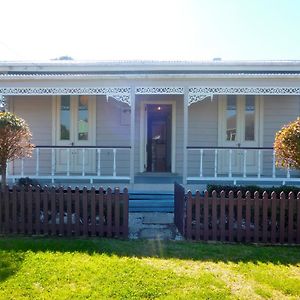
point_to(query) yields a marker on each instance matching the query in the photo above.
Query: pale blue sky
(150, 30)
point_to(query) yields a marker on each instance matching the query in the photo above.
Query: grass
(45, 268)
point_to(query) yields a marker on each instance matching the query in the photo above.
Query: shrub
(14, 141)
(287, 145)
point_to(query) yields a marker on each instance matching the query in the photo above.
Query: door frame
(143, 132)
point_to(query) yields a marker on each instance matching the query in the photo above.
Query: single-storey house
(148, 122)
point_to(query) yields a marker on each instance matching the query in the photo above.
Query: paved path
(153, 225)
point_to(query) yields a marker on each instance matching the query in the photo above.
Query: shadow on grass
(10, 262)
(286, 255)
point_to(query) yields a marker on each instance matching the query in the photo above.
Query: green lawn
(40, 268)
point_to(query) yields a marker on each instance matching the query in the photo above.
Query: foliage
(44, 268)
(252, 189)
(27, 181)
(14, 140)
(287, 145)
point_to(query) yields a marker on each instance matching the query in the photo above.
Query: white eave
(147, 66)
(22, 77)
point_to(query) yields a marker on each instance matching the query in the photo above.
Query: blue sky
(150, 30)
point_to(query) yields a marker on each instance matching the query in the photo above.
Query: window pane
(65, 118)
(231, 118)
(83, 121)
(249, 118)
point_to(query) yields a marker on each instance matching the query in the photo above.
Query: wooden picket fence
(60, 212)
(269, 219)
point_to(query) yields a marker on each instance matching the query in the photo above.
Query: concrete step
(153, 225)
(151, 202)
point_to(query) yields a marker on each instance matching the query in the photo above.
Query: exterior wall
(202, 131)
(113, 129)
(37, 112)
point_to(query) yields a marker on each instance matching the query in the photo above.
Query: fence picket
(248, 217)
(45, 214)
(290, 232)
(189, 215)
(239, 216)
(214, 215)
(125, 213)
(109, 212)
(53, 210)
(273, 218)
(282, 218)
(256, 217)
(37, 222)
(116, 198)
(101, 212)
(197, 215)
(14, 210)
(70, 215)
(265, 207)
(222, 216)
(78, 223)
(93, 212)
(205, 217)
(230, 216)
(84, 203)
(29, 210)
(61, 210)
(6, 209)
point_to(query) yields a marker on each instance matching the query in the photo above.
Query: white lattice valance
(119, 93)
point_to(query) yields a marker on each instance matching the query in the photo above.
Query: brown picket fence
(64, 212)
(269, 219)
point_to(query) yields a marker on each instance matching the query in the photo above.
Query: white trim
(143, 132)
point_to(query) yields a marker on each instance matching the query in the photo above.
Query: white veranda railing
(236, 164)
(65, 162)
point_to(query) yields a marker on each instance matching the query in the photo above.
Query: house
(142, 122)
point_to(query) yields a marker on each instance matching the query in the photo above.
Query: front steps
(151, 201)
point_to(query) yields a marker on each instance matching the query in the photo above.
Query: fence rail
(257, 219)
(60, 212)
